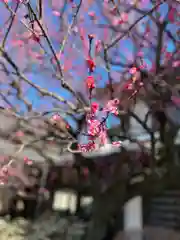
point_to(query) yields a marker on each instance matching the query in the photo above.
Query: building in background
(63, 180)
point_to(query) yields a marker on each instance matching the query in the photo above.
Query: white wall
(133, 217)
(65, 200)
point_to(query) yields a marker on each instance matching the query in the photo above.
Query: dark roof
(36, 134)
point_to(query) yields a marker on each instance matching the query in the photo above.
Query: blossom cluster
(9, 168)
(96, 129)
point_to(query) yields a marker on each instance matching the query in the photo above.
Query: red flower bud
(35, 37)
(5, 170)
(90, 82)
(91, 65)
(91, 36)
(94, 107)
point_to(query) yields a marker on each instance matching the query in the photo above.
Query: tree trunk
(6, 197)
(98, 226)
(97, 230)
(105, 206)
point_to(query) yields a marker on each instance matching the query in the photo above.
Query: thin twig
(70, 29)
(118, 38)
(10, 26)
(61, 77)
(44, 92)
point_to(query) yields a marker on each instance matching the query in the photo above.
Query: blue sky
(51, 84)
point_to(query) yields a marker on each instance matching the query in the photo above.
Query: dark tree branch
(40, 8)
(109, 74)
(161, 30)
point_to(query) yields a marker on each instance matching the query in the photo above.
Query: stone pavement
(48, 228)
